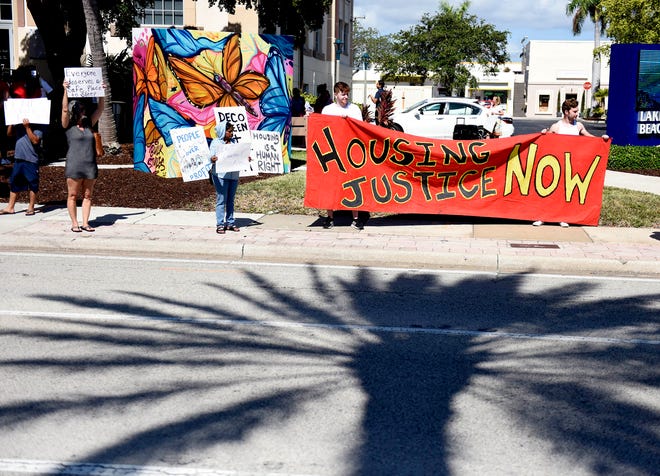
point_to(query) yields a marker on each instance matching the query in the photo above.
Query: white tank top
(568, 129)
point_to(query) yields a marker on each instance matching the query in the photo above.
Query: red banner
(357, 165)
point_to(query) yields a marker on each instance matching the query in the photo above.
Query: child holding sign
(225, 183)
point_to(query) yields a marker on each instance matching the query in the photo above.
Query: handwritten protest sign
(233, 157)
(266, 152)
(192, 151)
(237, 116)
(37, 111)
(84, 82)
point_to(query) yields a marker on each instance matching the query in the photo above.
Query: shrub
(626, 157)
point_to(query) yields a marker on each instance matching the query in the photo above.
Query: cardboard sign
(233, 157)
(192, 152)
(237, 116)
(84, 82)
(267, 152)
(37, 111)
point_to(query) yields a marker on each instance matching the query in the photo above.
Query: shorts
(24, 176)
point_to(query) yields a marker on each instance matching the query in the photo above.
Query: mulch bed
(125, 187)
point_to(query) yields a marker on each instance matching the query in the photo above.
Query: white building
(550, 72)
(559, 70)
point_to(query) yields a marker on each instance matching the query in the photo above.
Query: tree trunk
(107, 126)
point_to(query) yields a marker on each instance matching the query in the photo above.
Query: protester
(344, 108)
(297, 104)
(25, 174)
(380, 87)
(81, 169)
(568, 125)
(4, 142)
(225, 183)
(322, 98)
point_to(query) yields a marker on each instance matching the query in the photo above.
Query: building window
(164, 12)
(544, 102)
(5, 10)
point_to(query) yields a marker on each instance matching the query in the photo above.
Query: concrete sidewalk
(407, 241)
(414, 241)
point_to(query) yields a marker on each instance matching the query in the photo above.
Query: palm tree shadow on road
(388, 340)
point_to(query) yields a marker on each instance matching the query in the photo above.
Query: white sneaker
(537, 223)
(563, 224)
(5, 162)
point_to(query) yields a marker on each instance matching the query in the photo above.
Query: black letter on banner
(465, 192)
(478, 158)
(408, 157)
(349, 152)
(427, 155)
(359, 199)
(405, 184)
(445, 185)
(450, 154)
(388, 190)
(485, 181)
(424, 183)
(332, 155)
(379, 159)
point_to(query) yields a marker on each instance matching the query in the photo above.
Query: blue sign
(633, 113)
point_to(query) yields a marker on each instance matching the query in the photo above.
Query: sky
(534, 19)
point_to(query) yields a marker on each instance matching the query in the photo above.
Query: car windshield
(416, 105)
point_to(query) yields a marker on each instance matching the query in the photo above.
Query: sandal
(76, 229)
(220, 229)
(233, 228)
(29, 213)
(87, 228)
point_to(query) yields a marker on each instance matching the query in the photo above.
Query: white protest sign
(266, 152)
(84, 82)
(192, 151)
(37, 111)
(237, 116)
(233, 157)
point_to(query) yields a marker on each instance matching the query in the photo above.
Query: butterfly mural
(180, 76)
(226, 85)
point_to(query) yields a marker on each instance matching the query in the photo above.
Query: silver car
(435, 118)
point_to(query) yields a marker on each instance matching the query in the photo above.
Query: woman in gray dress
(81, 169)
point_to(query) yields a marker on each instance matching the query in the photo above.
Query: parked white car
(435, 118)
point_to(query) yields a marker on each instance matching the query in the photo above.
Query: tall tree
(107, 126)
(593, 9)
(292, 17)
(632, 21)
(442, 43)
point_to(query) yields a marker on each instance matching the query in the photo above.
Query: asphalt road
(532, 125)
(204, 367)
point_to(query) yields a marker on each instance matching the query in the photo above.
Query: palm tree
(107, 126)
(580, 10)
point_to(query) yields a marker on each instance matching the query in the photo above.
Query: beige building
(556, 71)
(317, 63)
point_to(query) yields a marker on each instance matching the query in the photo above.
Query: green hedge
(628, 157)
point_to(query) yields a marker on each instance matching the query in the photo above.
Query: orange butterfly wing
(155, 79)
(251, 85)
(232, 60)
(200, 90)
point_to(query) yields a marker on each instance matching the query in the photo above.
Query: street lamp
(365, 63)
(338, 50)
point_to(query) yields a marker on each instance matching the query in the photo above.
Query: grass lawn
(285, 193)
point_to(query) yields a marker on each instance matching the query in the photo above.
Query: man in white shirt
(344, 108)
(568, 125)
